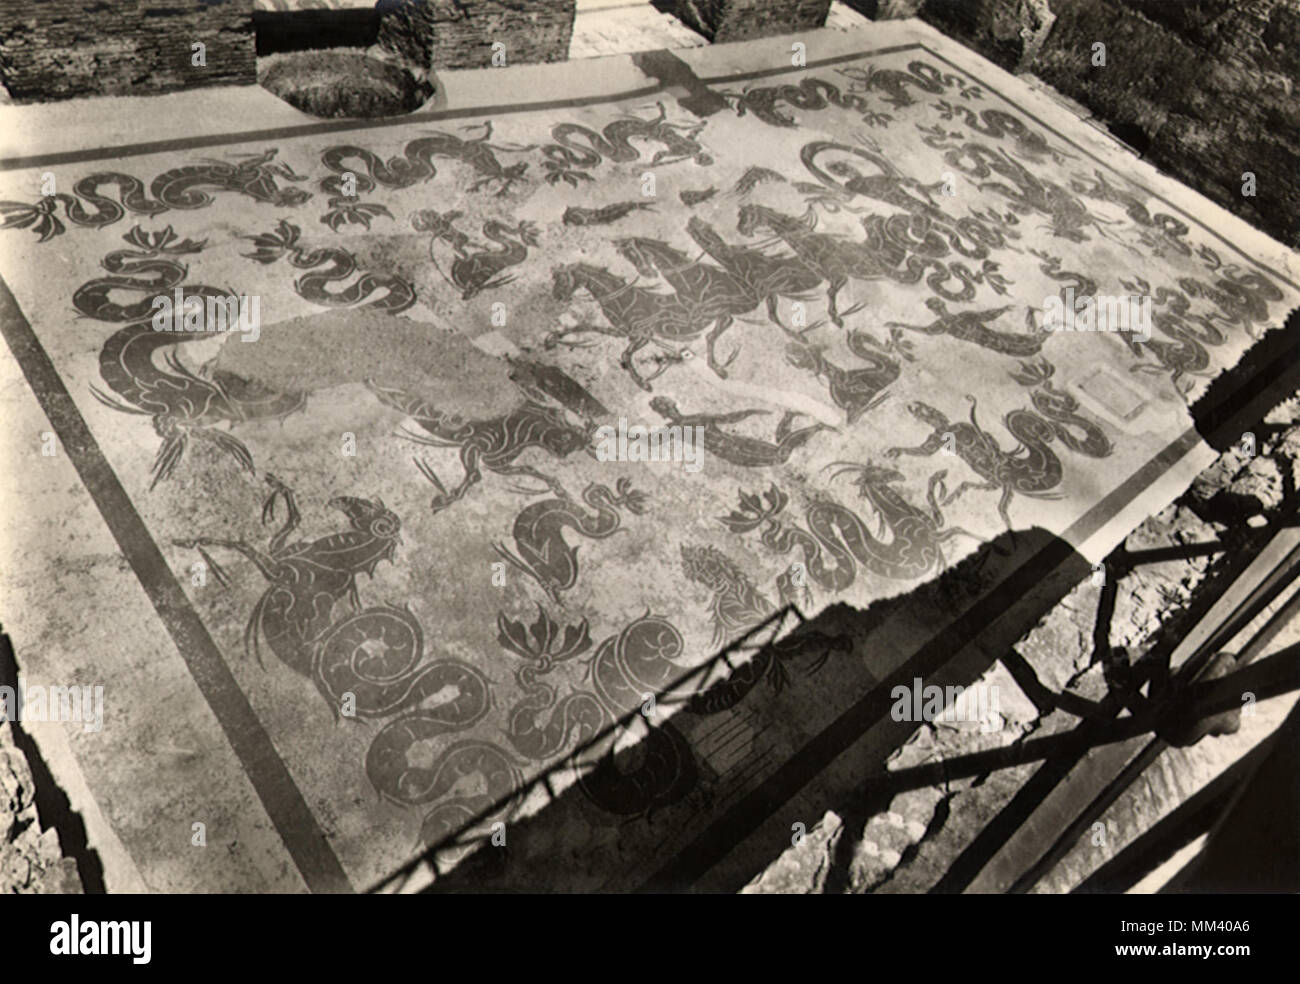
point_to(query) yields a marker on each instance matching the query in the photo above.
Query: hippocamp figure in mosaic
(567, 159)
(398, 294)
(767, 277)
(477, 267)
(711, 293)
(637, 314)
(370, 660)
(739, 449)
(539, 529)
(838, 259)
(493, 443)
(178, 188)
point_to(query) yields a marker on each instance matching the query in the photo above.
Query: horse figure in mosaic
(637, 314)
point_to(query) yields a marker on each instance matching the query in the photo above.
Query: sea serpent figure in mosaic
(568, 159)
(178, 188)
(397, 296)
(836, 545)
(476, 267)
(416, 163)
(539, 529)
(182, 404)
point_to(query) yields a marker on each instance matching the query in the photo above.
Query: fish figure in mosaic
(538, 531)
(576, 215)
(969, 326)
(397, 294)
(492, 443)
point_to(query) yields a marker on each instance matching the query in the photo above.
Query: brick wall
(738, 20)
(460, 33)
(1204, 89)
(56, 49)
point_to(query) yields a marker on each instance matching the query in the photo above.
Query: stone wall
(1204, 89)
(738, 20)
(57, 49)
(460, 33)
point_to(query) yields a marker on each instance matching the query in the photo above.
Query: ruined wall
(56, 49)
(737, 20)
(460, 33)
(1204, 89)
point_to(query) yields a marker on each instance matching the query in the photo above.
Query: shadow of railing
(781, 726)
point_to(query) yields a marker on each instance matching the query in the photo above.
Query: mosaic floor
(361, 579)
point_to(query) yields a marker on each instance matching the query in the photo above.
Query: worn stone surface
(56, 49)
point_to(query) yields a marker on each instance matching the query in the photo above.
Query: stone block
(740, 20)
(431, 34)
(59, 49)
